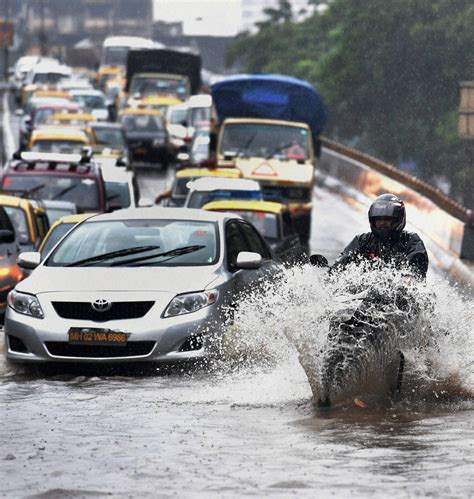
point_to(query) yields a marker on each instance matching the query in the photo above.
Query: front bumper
(152, 338)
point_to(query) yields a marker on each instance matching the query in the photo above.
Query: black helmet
(387, 206)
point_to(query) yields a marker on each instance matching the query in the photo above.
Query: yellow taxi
(106, 73)
(58, 140)
(59, 228)
(53, 93)
(29, 220)
(157, 102)
(273, 221)
(179, 189)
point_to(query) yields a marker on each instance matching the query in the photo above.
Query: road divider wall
(444, 221)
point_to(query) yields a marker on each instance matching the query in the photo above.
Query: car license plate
(97, 336)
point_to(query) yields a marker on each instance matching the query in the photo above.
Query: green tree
(389, 71)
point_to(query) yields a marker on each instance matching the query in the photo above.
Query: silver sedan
(145, 284)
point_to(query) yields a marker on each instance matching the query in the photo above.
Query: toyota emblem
(101, 305)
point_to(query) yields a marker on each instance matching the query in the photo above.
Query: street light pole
(5, 49)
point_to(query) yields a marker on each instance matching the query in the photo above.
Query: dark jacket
(405, 250)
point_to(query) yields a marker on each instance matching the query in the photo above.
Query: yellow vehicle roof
(245, 205)
(72, 117)
(163, 100)
(59, 134)
(209, 172)
(14, 201)
(109, 70)
(267, 122)
(52, 93)
(140, 110)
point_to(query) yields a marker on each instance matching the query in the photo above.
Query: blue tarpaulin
(269, 96)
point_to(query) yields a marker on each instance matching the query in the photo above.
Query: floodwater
(248, 425)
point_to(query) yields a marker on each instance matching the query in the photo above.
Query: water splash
(299, 318)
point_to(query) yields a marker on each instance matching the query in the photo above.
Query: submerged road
(241, 427)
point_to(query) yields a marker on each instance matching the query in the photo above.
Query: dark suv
(65, 177)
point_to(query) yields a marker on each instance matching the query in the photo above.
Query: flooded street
(244, 427)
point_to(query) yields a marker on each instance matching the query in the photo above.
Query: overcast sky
(201, 17)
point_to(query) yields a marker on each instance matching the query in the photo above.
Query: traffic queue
(112, 278)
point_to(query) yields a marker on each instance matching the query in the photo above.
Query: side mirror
(249, 260)
(318, 261)
(7, 236)
(29, 259)
(182, 156)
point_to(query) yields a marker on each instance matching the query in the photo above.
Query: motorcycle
(369, 325)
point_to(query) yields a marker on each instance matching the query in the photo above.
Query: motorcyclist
(387, 240)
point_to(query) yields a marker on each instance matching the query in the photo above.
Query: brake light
(6, 182)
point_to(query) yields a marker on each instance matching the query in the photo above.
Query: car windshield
(109, 136)
(198, 199)
(91, 101)
(41, 115)
(56, 234)
(139, 243)
(268, 141)
(147, 85)
(118, 193)
(83, 192)
(48, 78)
(142, 123)
(116, 56)
(18, 219)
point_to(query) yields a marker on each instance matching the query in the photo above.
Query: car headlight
(190, 302)
(158, 142)
(25, 304)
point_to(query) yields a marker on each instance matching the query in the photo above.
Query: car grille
(118, 310)
(132, 349)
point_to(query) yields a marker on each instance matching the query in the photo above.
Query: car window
(83, 192)
(20, 223)
(266, 223)
(58, 146)
(118, 193)
(5, 221)
(235, 244)
(109, 136)
(255, 241)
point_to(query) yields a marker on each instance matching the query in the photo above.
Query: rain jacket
(407, 249)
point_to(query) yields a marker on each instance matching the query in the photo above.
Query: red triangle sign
(264, 169)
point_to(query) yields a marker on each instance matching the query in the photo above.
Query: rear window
(82, 191)
(118, 193)
(20, 223)
(58, 146)
(5, 222)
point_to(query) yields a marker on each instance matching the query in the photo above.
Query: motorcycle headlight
(158, 142)
(190, 302)
(25, 304)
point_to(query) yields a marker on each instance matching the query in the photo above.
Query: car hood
(172, 280)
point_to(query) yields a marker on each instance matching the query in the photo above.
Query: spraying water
(409, 340)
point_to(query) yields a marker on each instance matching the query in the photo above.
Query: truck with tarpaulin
(269, 127)
(168, 74)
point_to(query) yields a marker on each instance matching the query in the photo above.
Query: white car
(145, 284)
(206, 189)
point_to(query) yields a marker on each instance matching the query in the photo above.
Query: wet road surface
(238, 428)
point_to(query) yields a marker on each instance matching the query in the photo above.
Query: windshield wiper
(171, 254)
(65, 191)
(112, 254)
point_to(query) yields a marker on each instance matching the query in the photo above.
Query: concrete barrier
(445, 222)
